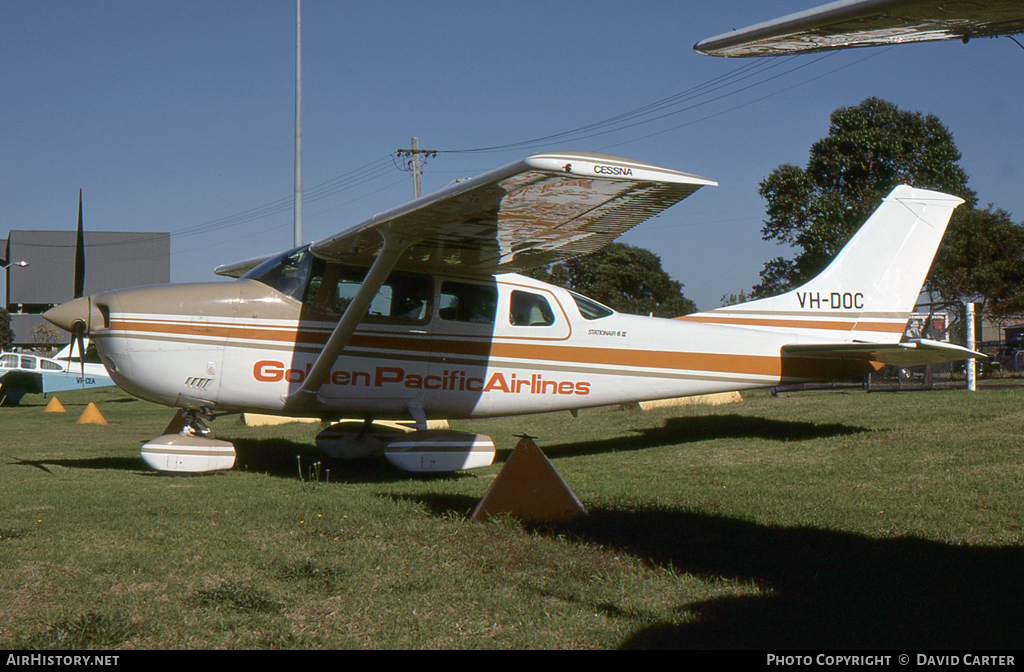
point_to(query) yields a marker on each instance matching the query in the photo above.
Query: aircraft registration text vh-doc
(418, 314)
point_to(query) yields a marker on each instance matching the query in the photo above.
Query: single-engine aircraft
(417, 314)
(24, 373)
(869, 23)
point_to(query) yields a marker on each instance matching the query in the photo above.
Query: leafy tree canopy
(870, 149)
(982, 259)
(624, 277)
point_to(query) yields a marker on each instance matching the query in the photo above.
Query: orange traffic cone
(92, 416)
(55, 406)
(530, 489)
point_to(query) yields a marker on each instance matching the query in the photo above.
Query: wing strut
(393, 248)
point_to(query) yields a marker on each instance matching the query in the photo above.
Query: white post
(972, 384)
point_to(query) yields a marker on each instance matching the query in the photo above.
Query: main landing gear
(185, 446)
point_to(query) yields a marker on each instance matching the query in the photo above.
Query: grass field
(813, 520)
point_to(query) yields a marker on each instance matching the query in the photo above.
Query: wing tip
(606, 166)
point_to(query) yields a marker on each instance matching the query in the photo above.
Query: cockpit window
(288, 273)
(590, 309)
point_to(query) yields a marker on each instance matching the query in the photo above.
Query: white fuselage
(237, 349)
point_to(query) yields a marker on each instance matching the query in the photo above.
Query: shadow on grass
(827, 589)
(824, 589)
(290, 459)
(706, 428)
(281, 457)
(107, 463)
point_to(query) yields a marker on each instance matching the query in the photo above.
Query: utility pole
(297, 233)
(415, 161)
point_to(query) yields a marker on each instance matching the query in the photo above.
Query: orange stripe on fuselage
(446, 345)
(882, 327)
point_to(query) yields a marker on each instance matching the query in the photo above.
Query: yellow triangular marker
(529, 488)
(55, 406)
(92, 416)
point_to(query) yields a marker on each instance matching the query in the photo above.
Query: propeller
(80, 327)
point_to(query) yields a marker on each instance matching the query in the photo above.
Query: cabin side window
(590, 309)
(527, 309)
(468, 302)
(9, 362)
(404, 296)
(49, 366)
(28, 362)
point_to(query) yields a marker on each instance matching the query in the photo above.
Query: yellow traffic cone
(55, 406)
(92, 416)
(530, 489)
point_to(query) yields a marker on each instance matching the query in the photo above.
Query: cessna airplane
(440, 326)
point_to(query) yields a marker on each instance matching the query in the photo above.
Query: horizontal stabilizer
(912, 353)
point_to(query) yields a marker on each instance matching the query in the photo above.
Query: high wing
(866, 23)
(542, 209)
(912, 353)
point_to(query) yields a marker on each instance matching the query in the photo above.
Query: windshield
(287, 272)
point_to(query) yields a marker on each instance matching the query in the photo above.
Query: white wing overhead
(544, 208)
(866, 23)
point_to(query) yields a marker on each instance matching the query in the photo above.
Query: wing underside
(866, 23)
(540, 210)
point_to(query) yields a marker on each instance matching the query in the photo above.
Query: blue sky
(177, 115)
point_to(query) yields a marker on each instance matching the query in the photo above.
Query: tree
(624, 277)
(6, 334)
(44, 336)
(870, 149)
(734, 299)
(982, 258)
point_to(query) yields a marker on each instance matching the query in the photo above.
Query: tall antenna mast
(297, 235)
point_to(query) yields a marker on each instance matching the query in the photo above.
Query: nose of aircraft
(82, 310)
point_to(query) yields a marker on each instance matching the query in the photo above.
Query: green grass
(814, 520)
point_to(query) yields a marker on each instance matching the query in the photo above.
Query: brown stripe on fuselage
(883, 327)
(771, 366)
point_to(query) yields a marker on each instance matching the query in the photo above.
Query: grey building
(112, 260)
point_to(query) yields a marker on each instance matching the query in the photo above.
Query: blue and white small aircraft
(24, 373)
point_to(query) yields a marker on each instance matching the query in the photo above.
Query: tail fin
(870, 288)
